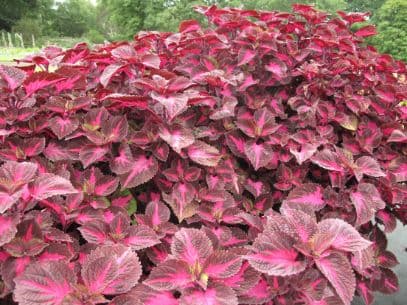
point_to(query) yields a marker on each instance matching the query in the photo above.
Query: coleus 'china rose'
(257, 161)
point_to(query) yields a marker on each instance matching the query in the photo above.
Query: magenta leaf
(108, 73)
(13, 76)
(111, 270)
(204, 154)
(273, 254)
(329, 160)
(149, 296)
(140, 237)
(142, 170)
(40, 80)
(222, 264)
(191, 246)
(217, 295)
(63, 127)
(8, 228)
(90, 154)
(48, 185)
(339, 235)
(367, 166)
(177, 137)
(14, 177)
(337, 269)
(367, 201)
(45, 284)
(259, 155)
(308, 195)
(169, 275)
(174, 104)
(124, 160)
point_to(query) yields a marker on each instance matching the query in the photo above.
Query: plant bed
(261, 160)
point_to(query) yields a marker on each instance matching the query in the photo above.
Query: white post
(33, 39)
(3, 38)
(10, 41)
(19, 36)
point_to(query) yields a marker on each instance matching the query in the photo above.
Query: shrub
(261, 160)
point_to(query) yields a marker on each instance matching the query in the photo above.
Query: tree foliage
(391, 20)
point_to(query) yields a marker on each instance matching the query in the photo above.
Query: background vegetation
(65, 22)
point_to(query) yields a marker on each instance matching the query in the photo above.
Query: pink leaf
(328, 160)
(108, 73)
(14, 176)
(338, 234)
(217, 295)
(13, 76)
(62, 127)
(142, 170)
(44, 284)
(177, 137)
(94, 232)
(48, 185)
(158, 212)
(122, 163)
(191, 246)
(337, 269)
(204, 154)
(245, 56)
(111, 270)
(174, 104)
(148, 296)
(274, 255)
(259, 155)
(8, 228)
(367, 201)
(169, 275)
(141, 237)
(222, 264)
(151, 61)
(367, 166)
(89, 154)
(308, 195)
(40, 80)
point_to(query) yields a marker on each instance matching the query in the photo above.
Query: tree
(363, 5)
(12, 11)
(391, 20)
(73, 18)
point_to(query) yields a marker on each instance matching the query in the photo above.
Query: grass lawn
(8, 54)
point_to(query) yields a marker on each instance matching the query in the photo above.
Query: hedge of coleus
(260, 160)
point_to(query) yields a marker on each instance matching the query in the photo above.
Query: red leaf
(366, 31)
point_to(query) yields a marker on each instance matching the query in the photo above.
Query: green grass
(8, 54)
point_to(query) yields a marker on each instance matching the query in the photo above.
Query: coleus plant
(260, 160)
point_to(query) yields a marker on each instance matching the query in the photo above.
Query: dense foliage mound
(257, 161)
